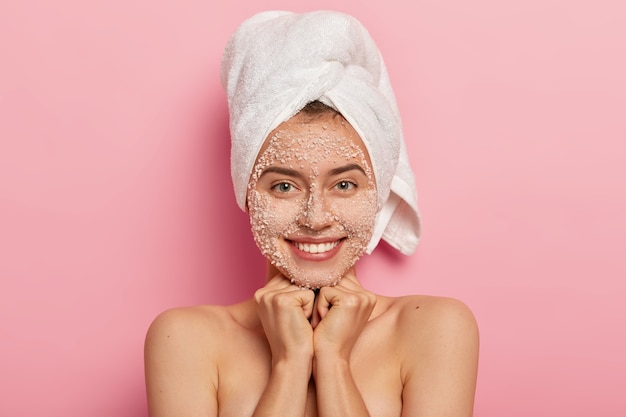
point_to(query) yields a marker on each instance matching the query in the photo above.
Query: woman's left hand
(340, 314)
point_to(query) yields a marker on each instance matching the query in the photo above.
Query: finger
(278, 281)
(307, 302)
(351, 296)
(325, 300)
(353, 286)
(315, 318)
(274, 287)
(349, 281)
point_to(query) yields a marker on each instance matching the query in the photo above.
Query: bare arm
(337, 394)
(441, 360)
(284, 310)
(180, 380)
(286, 391)
(341, 314)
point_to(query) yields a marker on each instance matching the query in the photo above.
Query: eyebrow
(283, 171)
(346, 168)
(293, 173)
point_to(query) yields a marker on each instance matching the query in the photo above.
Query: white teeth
(316, 247)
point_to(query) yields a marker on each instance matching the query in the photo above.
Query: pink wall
(116, 201)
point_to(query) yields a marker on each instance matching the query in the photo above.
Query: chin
(313, 277)
(316, 283)
(312, 274)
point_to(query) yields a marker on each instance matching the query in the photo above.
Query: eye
(345, 185)
(283, 187)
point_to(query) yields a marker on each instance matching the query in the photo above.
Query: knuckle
(352, 301)
(282, 300)
(259, 295)
(308, 295)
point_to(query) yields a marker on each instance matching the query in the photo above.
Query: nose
(316, 215)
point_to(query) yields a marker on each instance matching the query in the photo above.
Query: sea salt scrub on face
(312, 199)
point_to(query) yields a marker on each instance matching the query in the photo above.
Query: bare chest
(246, 371)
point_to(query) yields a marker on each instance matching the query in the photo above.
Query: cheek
(271, 218)
(357, 216)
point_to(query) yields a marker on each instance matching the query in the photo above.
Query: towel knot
(276, 62)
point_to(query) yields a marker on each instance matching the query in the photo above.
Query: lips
(316, 247)
(316, 250)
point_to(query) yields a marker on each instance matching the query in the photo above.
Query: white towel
(276, 62)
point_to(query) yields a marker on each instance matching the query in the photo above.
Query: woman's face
(312, 199)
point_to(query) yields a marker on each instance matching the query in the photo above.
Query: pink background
(116, 201)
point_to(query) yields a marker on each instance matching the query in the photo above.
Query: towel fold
(276, 62)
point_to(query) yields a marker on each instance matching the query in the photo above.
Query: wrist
(295, 363)
(332, 352)
(332, 361)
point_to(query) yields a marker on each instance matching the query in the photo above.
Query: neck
(271, 272)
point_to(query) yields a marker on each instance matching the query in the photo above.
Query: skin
(289, 352)
(312, 185)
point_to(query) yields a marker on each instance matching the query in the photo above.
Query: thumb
(307, 302)
(316, 318)
(323, 303)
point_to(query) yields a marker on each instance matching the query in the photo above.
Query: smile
(316, 247)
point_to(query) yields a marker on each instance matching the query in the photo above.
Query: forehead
(313, 139)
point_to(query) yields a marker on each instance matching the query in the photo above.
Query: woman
(319, 164)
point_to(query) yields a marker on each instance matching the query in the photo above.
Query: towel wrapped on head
(277, 62)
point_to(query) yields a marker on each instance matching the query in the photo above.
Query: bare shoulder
(182, 352)
(186, 324)
(438, 315)
(435, 324)
(439, 353)
(192, 332)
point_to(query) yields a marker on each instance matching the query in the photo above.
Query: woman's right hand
(284, 311)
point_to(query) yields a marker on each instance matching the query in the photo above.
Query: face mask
(312, 200)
